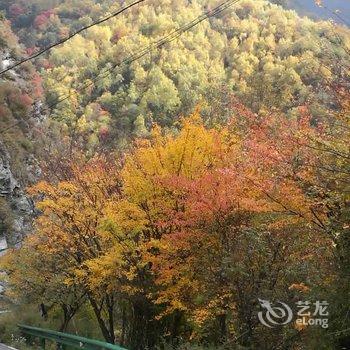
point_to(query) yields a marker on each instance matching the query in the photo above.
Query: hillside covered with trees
(175, 183)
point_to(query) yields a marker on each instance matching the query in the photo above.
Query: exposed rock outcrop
(20, 206)
(21, 111)
(16, 208)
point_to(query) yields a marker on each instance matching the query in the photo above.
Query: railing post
(63, 341)
(28, 340)
(61, 346)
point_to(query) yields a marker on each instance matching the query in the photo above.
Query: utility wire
(336, 14)
(155, 45)
(48, 48)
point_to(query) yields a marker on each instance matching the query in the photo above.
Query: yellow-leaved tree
(70, 230)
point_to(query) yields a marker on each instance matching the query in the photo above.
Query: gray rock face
(7, 182)
(11, 193)
(16, 208)
(22, 208)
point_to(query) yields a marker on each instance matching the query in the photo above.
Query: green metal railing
(65, 340)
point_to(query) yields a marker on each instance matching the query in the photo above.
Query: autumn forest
(174, 174)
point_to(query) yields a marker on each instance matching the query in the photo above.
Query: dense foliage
(183, 237)
(269, 57)
(18, 91)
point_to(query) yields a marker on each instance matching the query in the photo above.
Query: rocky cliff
(20, 113)
(18, 209)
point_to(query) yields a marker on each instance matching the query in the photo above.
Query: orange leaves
(300, 287)
(124, 220)
(201, 189)
(190, 215)
(73, 213)
(188, 154)
(158, 175)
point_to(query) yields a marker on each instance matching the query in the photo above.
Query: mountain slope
(18, 168)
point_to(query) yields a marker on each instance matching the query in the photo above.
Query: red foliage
(19, 100)
(46, 64)
(117, 35)
(37, 86)
(64, 32)
(103, 112)
(16, 10)
(30, 50)
(3, 111)
(25, 100)
(104, 132)
(42, 19)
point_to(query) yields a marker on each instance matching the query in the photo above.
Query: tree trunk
(122, 338)
(67, 316)
(107, 333)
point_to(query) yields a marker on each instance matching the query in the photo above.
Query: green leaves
(258, 52)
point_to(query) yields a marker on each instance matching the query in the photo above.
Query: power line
(48, 48)
(336, 14)
(167, 39)
(155, 45)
